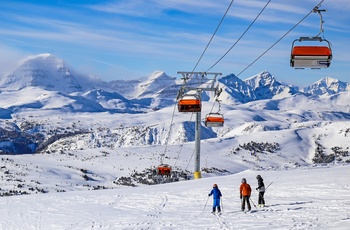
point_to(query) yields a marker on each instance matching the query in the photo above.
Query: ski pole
(222, 205)
(205, 204)
(241, 204)
(268, 186)
(253, 203)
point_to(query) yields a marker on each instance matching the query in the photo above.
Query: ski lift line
(190, 159)
(178, 156)
(217, 100)
(217, 28)
(167, 143)
(212, 107)
(312, 11)
(186, 76)
(240, 36)
(195, 106)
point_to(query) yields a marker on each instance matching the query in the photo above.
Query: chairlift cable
(240, 36)
(171, 124)
(228, 8)
(190, 160)
(217, 28)
(212, 107)
(279, 39)
(167, 142)
(178, 156)
(236, 43)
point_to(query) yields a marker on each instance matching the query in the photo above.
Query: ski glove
(257, 188)
(240, 197)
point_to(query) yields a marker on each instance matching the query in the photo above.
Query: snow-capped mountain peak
(44, 71)
(156, 90)
(327, 86)
(155, 82)
(42, 57)
(262, 79)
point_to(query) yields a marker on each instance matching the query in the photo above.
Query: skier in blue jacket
(216, 198)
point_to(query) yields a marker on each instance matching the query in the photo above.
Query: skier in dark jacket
(216, 198)
(261, 190)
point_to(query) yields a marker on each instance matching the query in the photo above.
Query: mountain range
(47, 72)
(42, 91)
(64, 131)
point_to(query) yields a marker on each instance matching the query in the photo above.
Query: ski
(250, 211)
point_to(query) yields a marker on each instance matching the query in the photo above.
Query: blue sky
(125, 39)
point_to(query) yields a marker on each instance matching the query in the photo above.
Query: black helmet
(244, 180)
(258, 176)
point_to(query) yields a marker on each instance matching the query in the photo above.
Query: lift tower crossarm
(187, 75)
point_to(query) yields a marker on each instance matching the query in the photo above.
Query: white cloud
(9, 59)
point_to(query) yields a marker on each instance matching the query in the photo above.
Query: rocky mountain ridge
(44, 106)
(51, 73)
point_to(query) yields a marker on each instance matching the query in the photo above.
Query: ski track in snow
(316, 198)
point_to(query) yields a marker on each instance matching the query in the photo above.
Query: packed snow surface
(303, 198)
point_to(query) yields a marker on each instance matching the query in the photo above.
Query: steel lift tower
(189, 97)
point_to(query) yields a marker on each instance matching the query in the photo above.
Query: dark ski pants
(245, 199)
(261, 199)
(218, 208)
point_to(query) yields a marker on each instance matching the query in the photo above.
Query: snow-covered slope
(260, 114)
(94, 135)
(304, 199)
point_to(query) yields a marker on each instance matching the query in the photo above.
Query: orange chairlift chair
(214, 120)
(314, 57)
(189, 103)
(164, 170)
